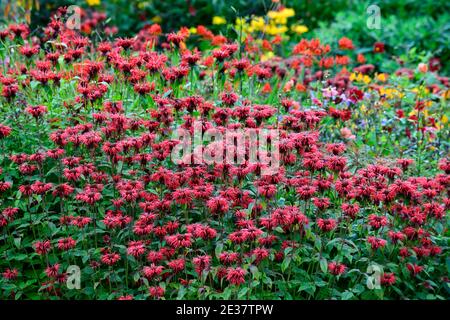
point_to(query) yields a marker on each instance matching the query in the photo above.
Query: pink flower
(346, 133)
(236, 276)
(36, 111)
(336, 268)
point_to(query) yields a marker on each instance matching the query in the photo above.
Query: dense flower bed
(357, 208)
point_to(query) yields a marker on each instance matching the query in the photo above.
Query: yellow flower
(366, 79)
(382, 77)
(193, 30)
(267, 56)
(274, 30)
(279, 20)
(288, 12)
(391, 93)
(157, 19)
(240, 22)
(93, 2)
(421, 90)
(280, 17)
(444, 119)
(360, 78)
(298, 28)
(143, 4)
(446, 94)
(257, 24)
(387, 92)
(285, 13)
(273, 14)
(363, 108)
(218, 20)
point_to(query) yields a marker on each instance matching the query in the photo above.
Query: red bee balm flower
(4, 131)
(236, 276)
(336, 268)
(36, 111)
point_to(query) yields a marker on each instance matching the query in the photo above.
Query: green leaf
(34, 84)
(243, 292)
(20, 257)
(347, 295)
(17, 242)
(323, 265)
(308, 287)
(219, 249)
(181, 293)
(285, 263)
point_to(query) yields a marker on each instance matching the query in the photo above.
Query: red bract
(36, 111)
(42, 247)
(110, 259)
(4, 131)
(326, 225)
(336, 268)
(388, 279)
(217, 205)
(236, 276)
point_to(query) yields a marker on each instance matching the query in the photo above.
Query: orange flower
(208, 61)
(342, 60)
(267, 88)
(346, 44)
(218, 40)
(327, 62)
(277, 39)
(300, 87)
(266, 45)
(360, 58)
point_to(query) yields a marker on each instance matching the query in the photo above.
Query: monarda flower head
(179, 240)
(153, 271)
(326, 225)
(136, 248)
(36, 111)
(414, 269)
(387, 279)
(218, 205)
(336, 268)
(4, 131)
(376, 243)
(42, 247)
(201, 263)
(228, 258)
(66, 244)
(110, 259)
(156, 292)
(5, 186)
(236, 276)
(377, 222)
(176, 265)
(10, 274)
